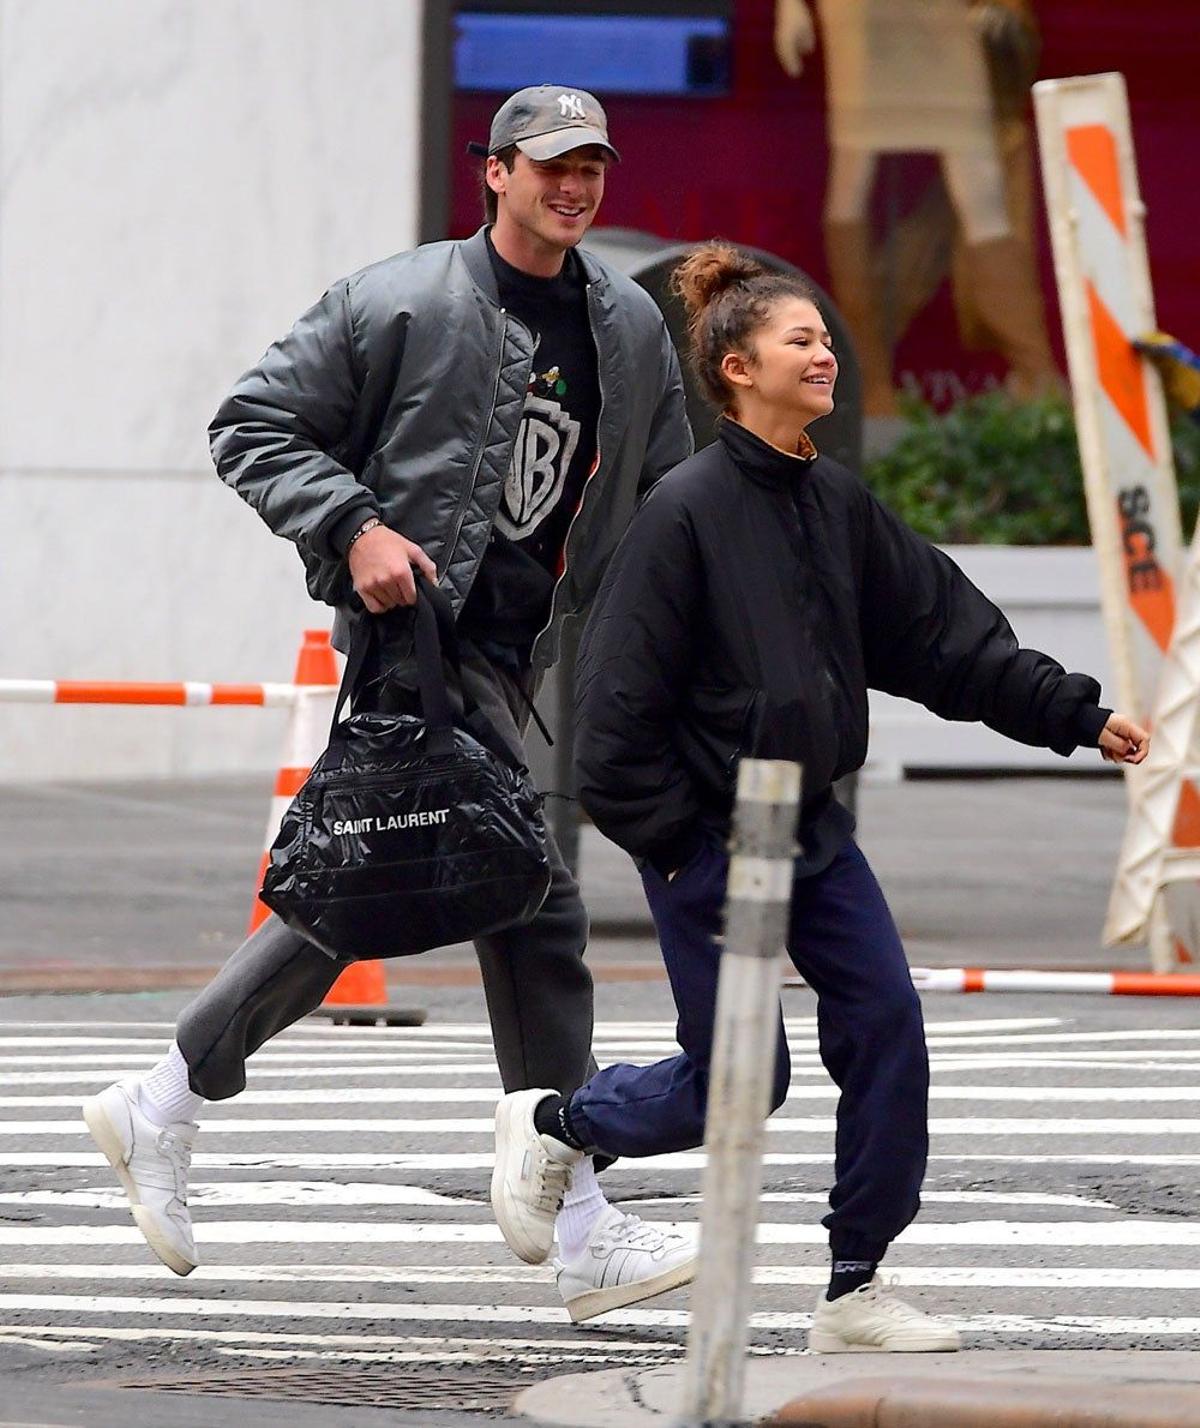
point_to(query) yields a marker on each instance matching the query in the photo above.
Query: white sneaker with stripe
(873, 1320)
(152, 1165)
(625, 1262)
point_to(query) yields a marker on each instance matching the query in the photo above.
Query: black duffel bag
(410, 832)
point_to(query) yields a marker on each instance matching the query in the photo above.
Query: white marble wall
(178, 180)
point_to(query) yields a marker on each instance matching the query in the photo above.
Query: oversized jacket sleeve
(670, 439)
(274, 437)
(930, 635)
(633, 662)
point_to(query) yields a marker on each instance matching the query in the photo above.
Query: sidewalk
(147, 885)
(975, 1389)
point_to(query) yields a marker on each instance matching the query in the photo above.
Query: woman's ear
(735, 368)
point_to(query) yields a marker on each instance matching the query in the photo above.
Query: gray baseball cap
(547, 120)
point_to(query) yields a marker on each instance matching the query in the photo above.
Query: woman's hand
(1122, 741)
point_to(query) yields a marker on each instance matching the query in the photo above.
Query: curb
(991, 1402)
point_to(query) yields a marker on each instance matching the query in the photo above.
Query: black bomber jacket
(753, 601)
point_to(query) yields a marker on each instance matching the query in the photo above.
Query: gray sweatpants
(538, 989)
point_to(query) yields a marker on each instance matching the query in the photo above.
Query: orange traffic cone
(308, 725)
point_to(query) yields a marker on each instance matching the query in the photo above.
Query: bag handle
(435, 639)
(434, 633)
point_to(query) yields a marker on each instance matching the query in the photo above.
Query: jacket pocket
(717, 726)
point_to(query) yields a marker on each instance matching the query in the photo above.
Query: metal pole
(744, 1048)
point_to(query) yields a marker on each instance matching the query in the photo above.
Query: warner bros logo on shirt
(541, 458)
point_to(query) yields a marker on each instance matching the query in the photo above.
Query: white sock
(583, 1205)
(164, 1094)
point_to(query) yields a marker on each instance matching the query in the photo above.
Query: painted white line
(157, 1046)
(1123, 1061)
(223, 1193)
(924, 1276)
(981, 1324)
(1073, 1037)
(1091, 1234)
(258, 1072)
(928, 1197)
(489, 1095)
(362, 1056)
(218, 1124)
(528, 1314)
(690, 1160)
(321, 1028)
(77, 1346)
(233, 1336)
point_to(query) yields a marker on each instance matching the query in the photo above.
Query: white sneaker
(872, 1320)
(626, 1261)
(530, 1177)
(152, 1165)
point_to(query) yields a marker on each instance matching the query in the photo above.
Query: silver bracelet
(368, 525)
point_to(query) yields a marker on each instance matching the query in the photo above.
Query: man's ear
(495, 175)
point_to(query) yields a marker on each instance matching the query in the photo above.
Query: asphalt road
(342, 1210)
(153, 880)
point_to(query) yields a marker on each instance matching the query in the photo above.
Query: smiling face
(546, 207)
(790, 374)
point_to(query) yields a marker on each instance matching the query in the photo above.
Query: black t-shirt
(554, 452)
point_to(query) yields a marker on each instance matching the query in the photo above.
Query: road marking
(218, 1124)
(233, 1336)
(489, 1095)
(221, 1193)
(1092, 1234)
(691, 1160)
(917, 1276)
(530, 1314)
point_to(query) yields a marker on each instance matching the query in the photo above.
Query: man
(485, 413)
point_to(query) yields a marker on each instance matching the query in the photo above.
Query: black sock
(550, 1118)
(849, 1275)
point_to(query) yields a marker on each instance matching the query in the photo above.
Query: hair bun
(710, 270)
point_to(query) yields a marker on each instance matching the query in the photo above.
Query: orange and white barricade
(1097, 225)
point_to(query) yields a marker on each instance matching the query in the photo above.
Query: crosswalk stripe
(204, 1194)
(488, 1095)
(916, 1276)
(233, 1337)
(690, 1160)
(218, 1123)
(532, 1314)
(1054, 1233)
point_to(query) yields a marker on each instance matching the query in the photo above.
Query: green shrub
(994, 471)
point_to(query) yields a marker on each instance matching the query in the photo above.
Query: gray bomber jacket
(401, 392)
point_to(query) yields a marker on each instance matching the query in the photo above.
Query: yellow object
(1179, 368)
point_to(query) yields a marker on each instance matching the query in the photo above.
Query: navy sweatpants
(844, 943)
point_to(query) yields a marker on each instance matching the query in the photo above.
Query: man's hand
(1122, 741)
(381, 566)
(794, 35)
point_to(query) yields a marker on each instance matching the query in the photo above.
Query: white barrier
(743, 1063)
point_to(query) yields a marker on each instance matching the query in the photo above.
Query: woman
(757, 594)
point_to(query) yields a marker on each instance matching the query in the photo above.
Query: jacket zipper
(595, 467)
(460, 514)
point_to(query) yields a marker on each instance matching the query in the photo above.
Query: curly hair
(727, 296)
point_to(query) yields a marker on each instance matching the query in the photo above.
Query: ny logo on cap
(570, 106)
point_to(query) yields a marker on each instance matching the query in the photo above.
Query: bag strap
(435, 638)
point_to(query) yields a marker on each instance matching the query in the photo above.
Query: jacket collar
(761, 461)
(479, 265)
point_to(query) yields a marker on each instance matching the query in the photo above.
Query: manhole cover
(387, 1386)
